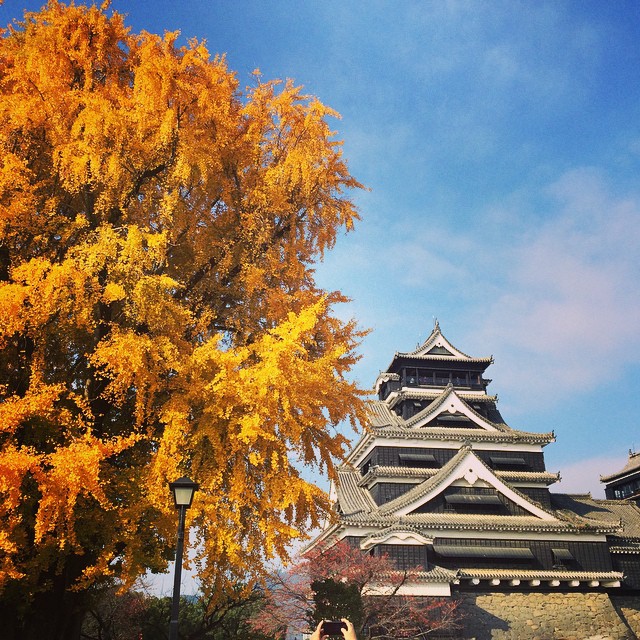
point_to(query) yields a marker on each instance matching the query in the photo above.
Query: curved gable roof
(632, 466)
(436, 344)
(465, 465)
(350, 497)
(436, 348)
(450, 402)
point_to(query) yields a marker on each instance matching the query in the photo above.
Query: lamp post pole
(183, 490)
(177, 576)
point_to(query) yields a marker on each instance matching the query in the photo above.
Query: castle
(440, 481)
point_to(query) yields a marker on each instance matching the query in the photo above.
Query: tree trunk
(52, 615)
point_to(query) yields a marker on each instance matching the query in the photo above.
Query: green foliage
(335, 600)
(135, 616)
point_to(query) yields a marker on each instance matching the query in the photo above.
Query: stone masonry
(549, 616)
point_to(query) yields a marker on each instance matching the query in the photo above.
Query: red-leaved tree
(300, 596)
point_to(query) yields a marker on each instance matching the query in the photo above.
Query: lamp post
(182, 490)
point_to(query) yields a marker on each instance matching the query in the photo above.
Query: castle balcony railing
(440, 382)
(419, 377)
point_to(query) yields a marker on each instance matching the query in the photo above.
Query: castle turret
(624, 484)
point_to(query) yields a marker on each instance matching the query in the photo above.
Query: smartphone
(332, 627)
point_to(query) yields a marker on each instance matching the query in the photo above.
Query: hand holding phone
(342, 629)
(333, 628)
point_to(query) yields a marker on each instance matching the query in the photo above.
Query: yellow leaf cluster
(64, 476)
(158, 311)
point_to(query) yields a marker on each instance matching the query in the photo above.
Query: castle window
(503, 461)
(410, 377)
(626, 490)
(562, 558)
(460, 551)
(472, 498)
(420, 460)
(460, 378)
(479, 503)
(561, 555)
(404, 556)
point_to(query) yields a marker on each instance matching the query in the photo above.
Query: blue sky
(500, 142)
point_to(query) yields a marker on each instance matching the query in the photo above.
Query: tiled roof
(381, 471)
(479, 435)
(529, 476)
(571, 514)
(633, 464)
(351, 498)
(442, 477)
(414, 355)
(535, 574)
(436, 339)
(625, 548)
(424, 487)
(432, 394)
(454, 521)
(394, 528)
(380, 415)
(624, 512)
(384, 422)
(443, 397)
(435, 574)
(462, 435)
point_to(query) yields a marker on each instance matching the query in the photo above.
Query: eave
(453, 522)
(537, 578)
(541, 477)
(466, 435)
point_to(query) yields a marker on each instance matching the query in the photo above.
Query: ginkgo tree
(159, 316)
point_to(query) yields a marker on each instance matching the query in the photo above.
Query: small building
(440, 481)
(624, 484)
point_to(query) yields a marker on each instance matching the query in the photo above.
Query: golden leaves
(158, 312)
(268, 406)
(113, 292)
(39, 400)
(134, 366)
(15, 463)
(68, 473)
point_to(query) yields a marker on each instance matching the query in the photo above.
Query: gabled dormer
(465, 485)
(437, 346)
(450, 410)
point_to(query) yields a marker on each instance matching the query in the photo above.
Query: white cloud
(555, 296)
(570, 308)
(584, 476)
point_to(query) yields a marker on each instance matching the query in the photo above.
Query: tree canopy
(159, 315)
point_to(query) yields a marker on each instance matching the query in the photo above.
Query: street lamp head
(183, 490)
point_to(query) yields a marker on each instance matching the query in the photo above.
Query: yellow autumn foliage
(158, 312)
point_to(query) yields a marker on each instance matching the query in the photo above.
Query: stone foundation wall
(628, 607)
(549, 616)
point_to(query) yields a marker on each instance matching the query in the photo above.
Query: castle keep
(440, 481)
